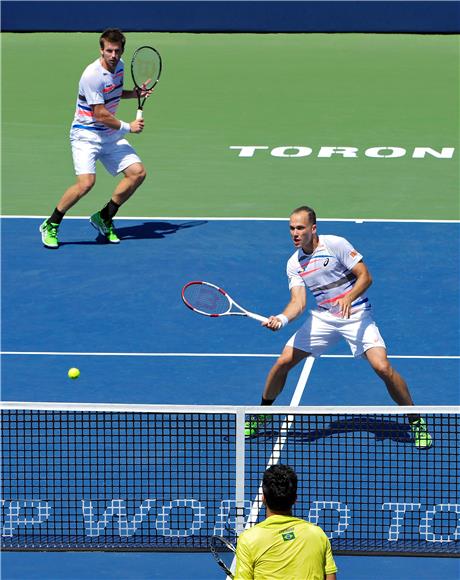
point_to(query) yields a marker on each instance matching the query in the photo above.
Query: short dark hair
(112, 35)
(279, 486)
(309, 210)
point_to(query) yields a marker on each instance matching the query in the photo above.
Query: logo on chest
(314, 265)
(288, 536)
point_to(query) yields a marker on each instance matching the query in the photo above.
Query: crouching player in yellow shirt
(283, 547)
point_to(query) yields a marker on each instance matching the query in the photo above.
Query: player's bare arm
(293, 309)
(363, 281)
(103, 115)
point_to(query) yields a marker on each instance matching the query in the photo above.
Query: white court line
(279, 444)
(240, 219)
(207, 354)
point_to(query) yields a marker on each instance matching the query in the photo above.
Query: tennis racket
(146, 71)
(223, 552)
(210, 300)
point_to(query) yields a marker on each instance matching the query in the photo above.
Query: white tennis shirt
(97, 86)
(327, 273)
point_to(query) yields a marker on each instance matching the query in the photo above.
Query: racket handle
(257, 317)
(139, 114)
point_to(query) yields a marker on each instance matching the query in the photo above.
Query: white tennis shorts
(322, 330)
(115, 155)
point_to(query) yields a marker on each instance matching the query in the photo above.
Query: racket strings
(206, 299)
(146, 68)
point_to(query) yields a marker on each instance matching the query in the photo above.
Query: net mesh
(362, 479)
(167, 480)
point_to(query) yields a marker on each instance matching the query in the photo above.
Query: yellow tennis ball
(73, 373)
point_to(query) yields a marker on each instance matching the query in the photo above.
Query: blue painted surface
(126, 566)
(126, 298)
(221, 16)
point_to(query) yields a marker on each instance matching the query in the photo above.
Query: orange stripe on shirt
(303, 274)
(313, 260)
(335, 297)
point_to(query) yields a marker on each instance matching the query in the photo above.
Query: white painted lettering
(343, 151)
(422, 152)
(342, 510)
(399, 510)
(297, 151)
(199, 516)
(426, 523)
(225, 519)
(247, 150)
(116, 508)
(380, 152)
(15, 516)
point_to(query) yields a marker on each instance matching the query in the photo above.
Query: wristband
(124, 128)
(284, 319)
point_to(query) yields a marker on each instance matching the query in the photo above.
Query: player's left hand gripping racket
(146, 71)
(210, 300)
(223, 552)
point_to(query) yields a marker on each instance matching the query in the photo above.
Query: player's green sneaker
(422, 438)
(104, 227)
(49, 234)
(255, 422)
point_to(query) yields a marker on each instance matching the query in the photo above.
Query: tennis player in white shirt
(97, 134)
(336, 275)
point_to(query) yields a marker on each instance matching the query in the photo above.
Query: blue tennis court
(349, 107)
(116, 314)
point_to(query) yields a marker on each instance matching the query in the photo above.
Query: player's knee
(383, 368)
(284, 363)
(137, 174)
(142, 174)
(85, 185)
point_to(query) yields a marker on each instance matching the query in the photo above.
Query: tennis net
(131, 477)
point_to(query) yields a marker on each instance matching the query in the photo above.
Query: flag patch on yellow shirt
(287, 536)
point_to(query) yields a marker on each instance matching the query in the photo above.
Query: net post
(240, 442)
(239, 469)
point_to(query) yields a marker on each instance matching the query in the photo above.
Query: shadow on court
(380, 429)
(154, 230)
(146, 231)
